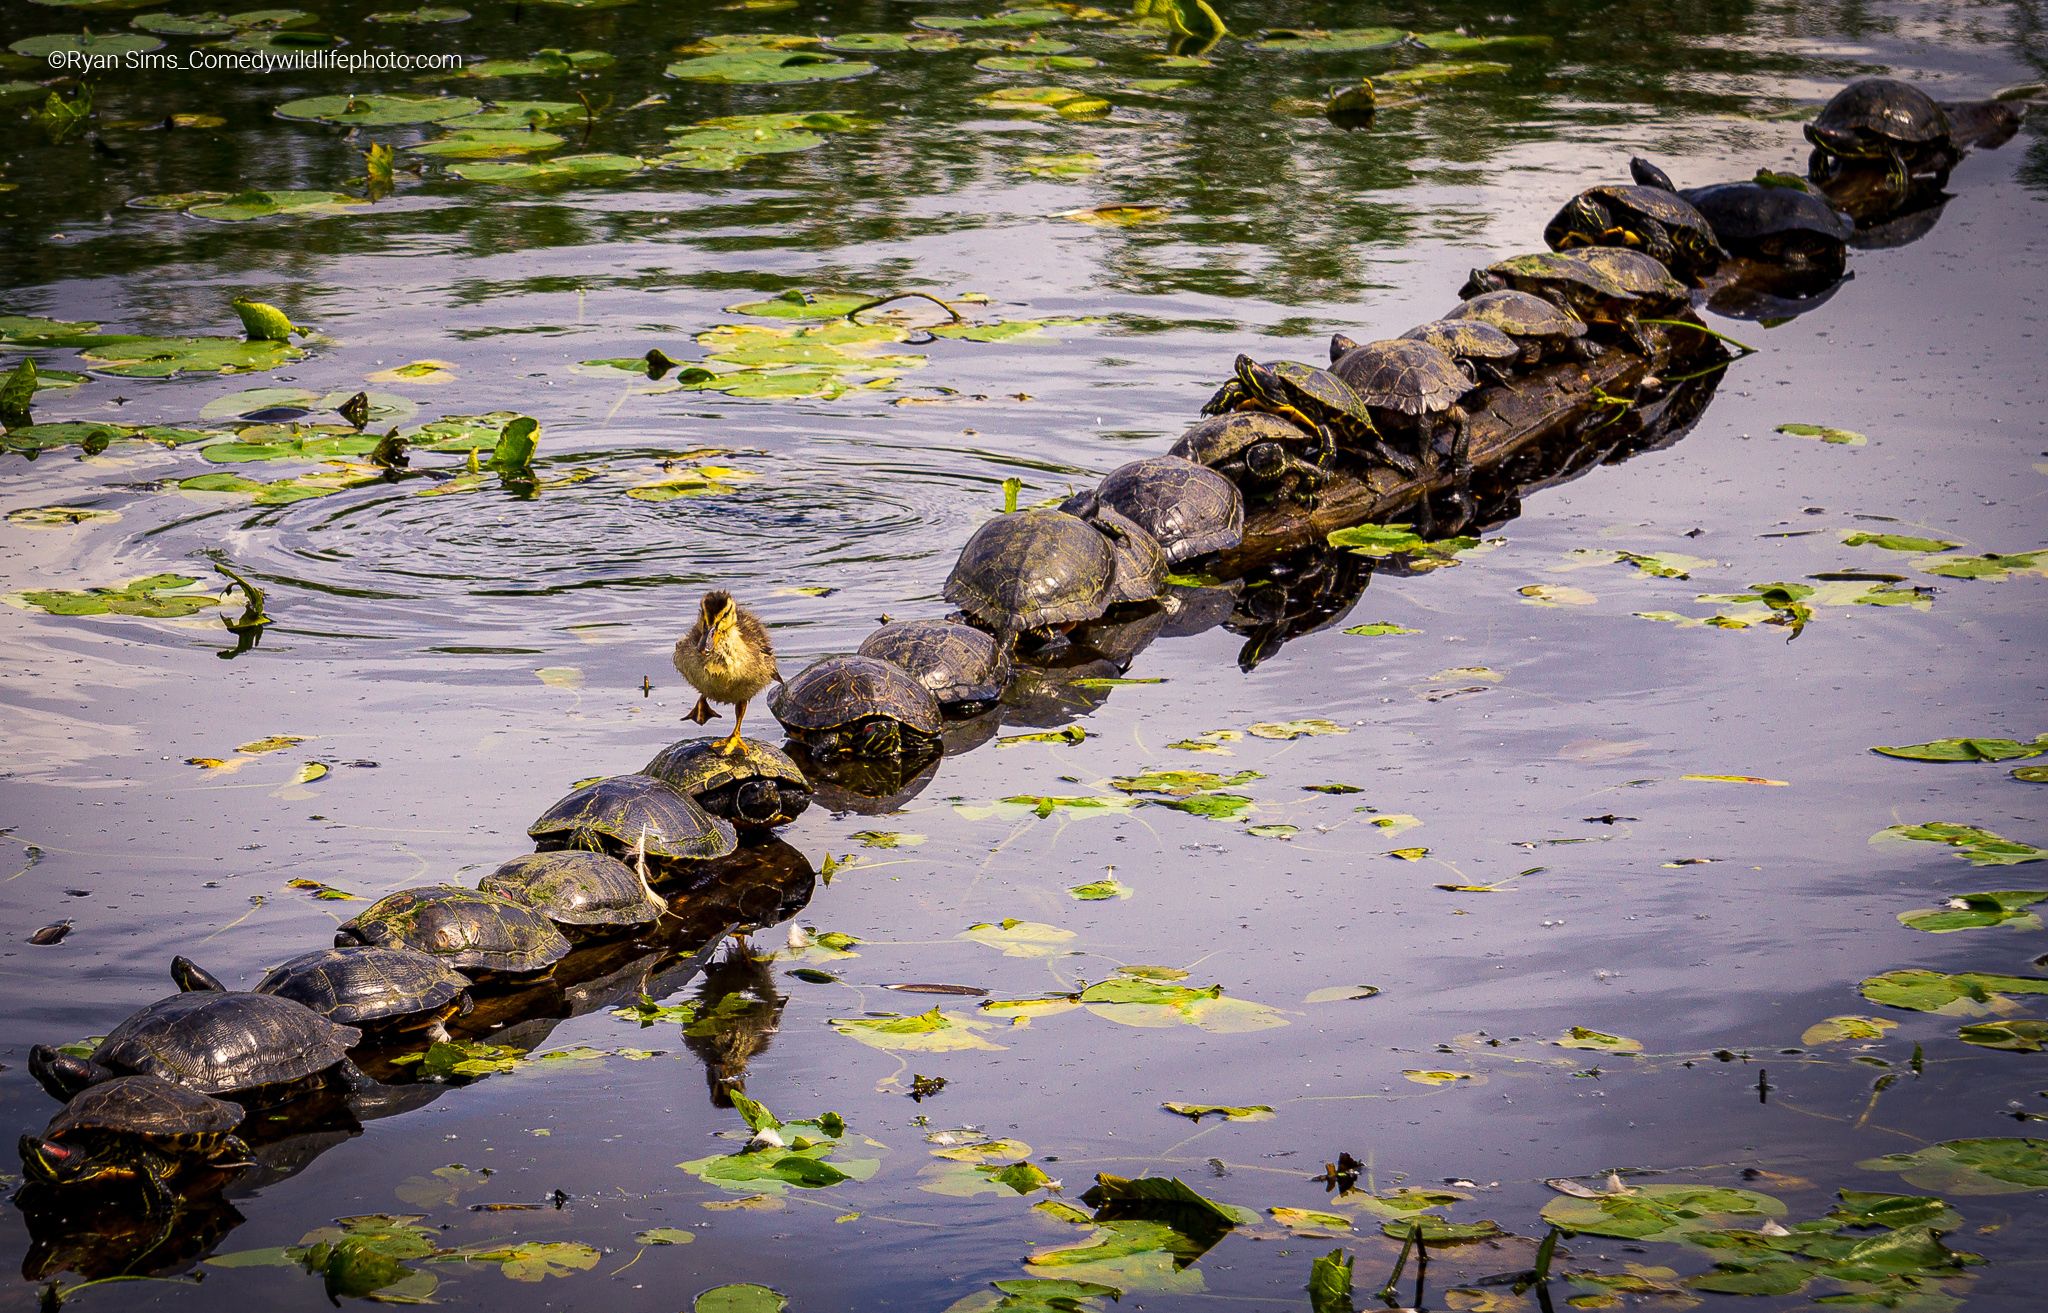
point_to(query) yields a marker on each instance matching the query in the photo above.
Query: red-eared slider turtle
(1486, 350)
(1258, 451)
(1545, 330)
(587, 894)
(1314, 398)
(859, 706)
(1654, 220)
(1033, 570)
(755, 788)
(460, 928)
(1414, 386)
(139, 1128)
(212, 1043)
(392, 989)
(1776, 218)
(1601, 285)
(1882, 119)
(631, 814)
(962, 666)
(1191, 510)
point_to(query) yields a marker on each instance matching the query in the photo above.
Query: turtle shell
(1642, 276)
(1140, 561)
(960, 664)
(1552, 268)
(840, 691)
(1881, 107)
(459, 928)
(224, 1042)
(1467, 339)
(1633, 200)
(149, 1107)
(1746, 215)
(575, 888)
(1191, 509)
(1224, 437)
(1029, 569)
(613, 814)
(1321, 394)
(1405, 375)
(760, 785)
(1520, 314)
(361, 985)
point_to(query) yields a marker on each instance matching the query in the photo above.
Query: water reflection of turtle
(866, 786)
(1301, 595)
(96, 1236)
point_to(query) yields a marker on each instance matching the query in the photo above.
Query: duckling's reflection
(739, 1009)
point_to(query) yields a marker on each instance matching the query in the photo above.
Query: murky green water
(455, 661)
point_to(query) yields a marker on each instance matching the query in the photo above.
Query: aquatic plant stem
(1743, 347)
(958, 318)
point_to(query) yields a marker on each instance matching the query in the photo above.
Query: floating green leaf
(1837, 1030)
(1964, 994)
(1836, 437)
(1980, 846)
(1973, 911)
(766, 66)
(1102, 890)
(1659, 1212)
(154, 597)
(1578, 1037)
(1017, 938)
(1896, 542)
(744, 1297)
(2024, 1036)
(1968, 750)
(1992, 565)
(164, 357)
(1294, 729)
(379, 110)
(935, 1031)
(1255, 1112)
(1380, 628)
(1971, 1167)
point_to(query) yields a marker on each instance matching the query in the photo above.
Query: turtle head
(1647, 174)
(1340, 345)
(192, 978)
(878, 736)
(59, 1073)
(59, 1164)
(1585, 222)
(1480, 282)
(1266, 461)
(759, 801)
(1261, 382)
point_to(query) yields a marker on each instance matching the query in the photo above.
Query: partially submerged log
(1553, 402)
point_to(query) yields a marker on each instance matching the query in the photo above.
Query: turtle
(1257, 451)
(1488, 351)
(1544, 329)
(1034, 569)
(1882, 119)
(1654, 220)
(1416, 386)
(860, 706)
(1601, 285)
(211, 1043)
(1775, 218)
(1314, 398)
(1190, 509)
(461, 928)
(139, 1128)
(1141, 565)
(634, 815)
(391, 989)
(587, 895)
(757, 788)
(963, 667)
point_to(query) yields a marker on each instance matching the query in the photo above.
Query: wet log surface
(1555, 402)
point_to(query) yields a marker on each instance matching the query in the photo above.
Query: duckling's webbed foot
(701, 712)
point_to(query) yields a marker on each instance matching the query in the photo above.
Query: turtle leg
(1638, 336)
(1457, 420)
(701, 712)
(731, 742)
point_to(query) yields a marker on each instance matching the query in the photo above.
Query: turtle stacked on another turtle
(386, 991)
(1413, 389)
(1654, 220)
(1606, 287)
(1261, 452)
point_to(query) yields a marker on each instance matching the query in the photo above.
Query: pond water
(447, 653)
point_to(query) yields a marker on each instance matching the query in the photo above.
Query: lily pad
(246, 205)
(1964, 994)
(1992, 565)
(1660, 1212)
(1838, 1030)
(2023, 1036)
(1971, 1167)
(1018, 938)
(102, 45)
(744, 1297)
(379, 109)
(1255, 1112)
(1968, 750)
(936, 1031)
(767, 66)
(153, 596)
(1579, 1037)
(1980, 846)
(1974, 911)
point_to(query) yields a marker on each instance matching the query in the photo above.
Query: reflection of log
(1549, 402)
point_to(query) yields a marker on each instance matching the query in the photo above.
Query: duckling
(726, 655)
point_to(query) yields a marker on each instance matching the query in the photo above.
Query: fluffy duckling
(726, 656)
